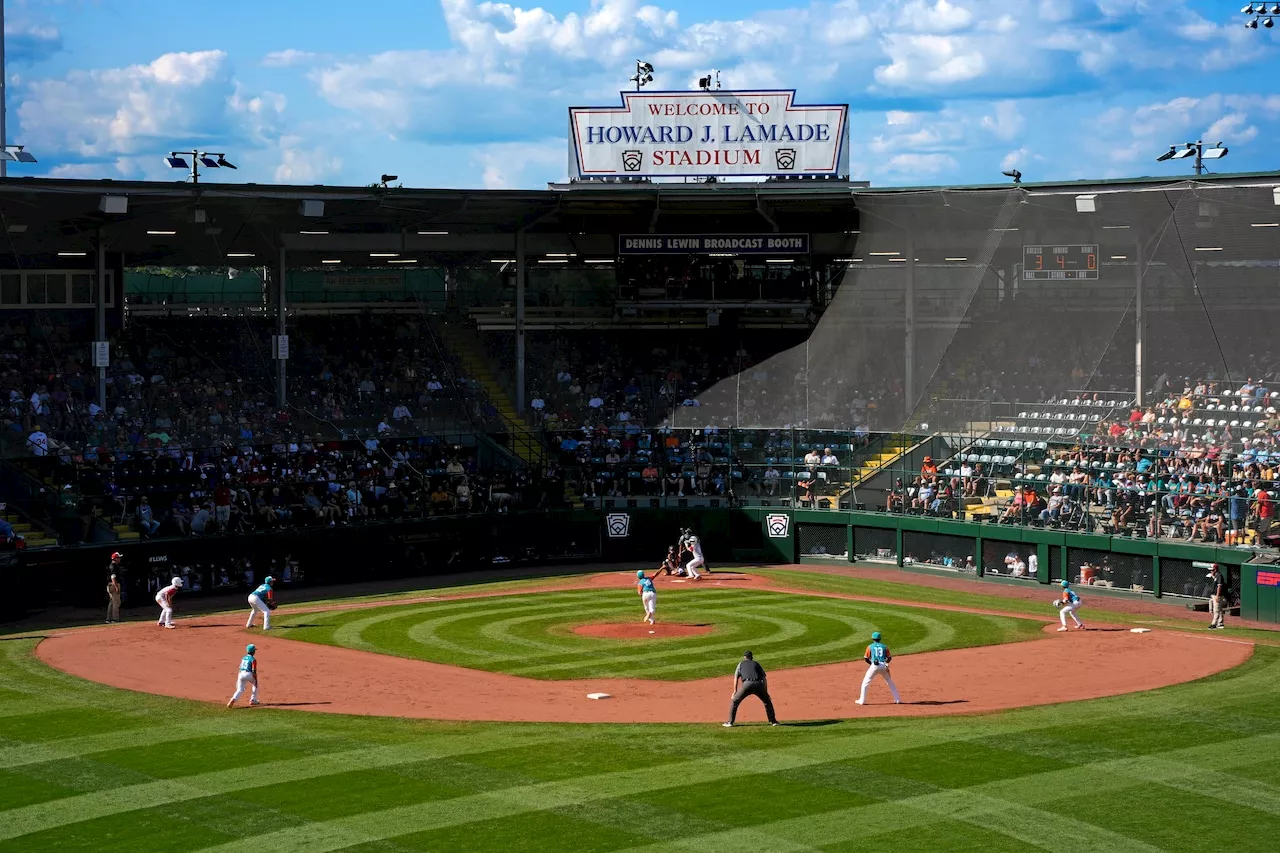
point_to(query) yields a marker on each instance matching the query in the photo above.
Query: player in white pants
(877, 657)
(259, 602)
(248, 674)
(694, 547)
(164, 598)
(648, 596)
(1068, 604)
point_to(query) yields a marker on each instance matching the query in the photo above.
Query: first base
(1140, 630)
(599, 696)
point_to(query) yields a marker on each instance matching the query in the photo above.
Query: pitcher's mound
(641, 630)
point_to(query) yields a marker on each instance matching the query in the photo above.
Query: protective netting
(1087, 566)
(822, 540)
(941, 550)
(961, 308)
(875, 543)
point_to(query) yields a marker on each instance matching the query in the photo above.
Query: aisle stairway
(466, 345)
(34, 536)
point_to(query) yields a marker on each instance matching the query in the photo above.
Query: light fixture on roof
(161, 233)
(1275, 195)
(779, 261)
(114, 204)
(1119, 257)
(1013, 173)
(433, 233)
(384, 254)
(1208, 248)
(1087, 203)
(956, 260)
(15, 153)
(1258, 12)
(1197, 150)
(72, 254)
(331, 261)
(195, 158)
(883, 254)
(313, 233)
(386, 179)
(239, 254)
(643, 75)
(1264, 224)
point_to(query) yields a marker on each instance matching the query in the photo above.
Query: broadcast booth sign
(713, 244)
(708, 133)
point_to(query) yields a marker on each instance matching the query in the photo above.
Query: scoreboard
(1059, 263)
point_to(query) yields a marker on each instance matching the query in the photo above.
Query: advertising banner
(708, 133)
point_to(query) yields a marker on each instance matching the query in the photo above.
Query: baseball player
(113, 599)
(749, 680)
(262, 599)
(165, 599)
(648, 596)
(694, 547)
(877, 657)
(1068, 603)
(248, 674)
(670, 565)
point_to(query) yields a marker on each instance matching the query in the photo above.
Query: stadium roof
(248, 224)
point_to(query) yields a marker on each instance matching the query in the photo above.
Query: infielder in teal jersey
(262, 600)
(877, 657)
(1068, 603)
(248, 674)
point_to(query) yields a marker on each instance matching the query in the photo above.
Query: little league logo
(778, 525)
(618, 524)
(631, 161)
(785, 158)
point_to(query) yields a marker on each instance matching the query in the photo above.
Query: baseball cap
(875, 635)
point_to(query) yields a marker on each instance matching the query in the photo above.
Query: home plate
(1140, 630)
(599, 696)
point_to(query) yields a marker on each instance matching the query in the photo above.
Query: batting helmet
(875, 635)
(1066, 584)
(116, 555)
(640, 573)
(177, 581)
(251, 648)
(269, 579)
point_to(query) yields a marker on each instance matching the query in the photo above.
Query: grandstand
(1095, 357)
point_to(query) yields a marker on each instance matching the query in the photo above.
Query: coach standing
(1218, 595)
(749, 680)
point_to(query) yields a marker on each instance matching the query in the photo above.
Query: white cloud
(1234, 127)
(940, 17)
(511, 165)
(919, 165)
(1014, 159)
(303, 164)
(289, 57)
(1007, 121)
(94, 113)
(919, 61)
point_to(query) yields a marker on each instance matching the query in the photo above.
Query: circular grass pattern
(532, 635)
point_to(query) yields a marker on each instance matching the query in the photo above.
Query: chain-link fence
(822, 540)
(875, 543)
(1013, 559)
(1185, 577)
(1090, 567)
(938, 549)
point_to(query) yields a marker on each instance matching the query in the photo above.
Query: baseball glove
(271, 605)
(1057, 602)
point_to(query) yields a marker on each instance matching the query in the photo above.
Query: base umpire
(749, 680)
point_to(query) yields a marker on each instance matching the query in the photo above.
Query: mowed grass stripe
(972, 805)
(529, 635)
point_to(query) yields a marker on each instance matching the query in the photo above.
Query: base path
(198, 661)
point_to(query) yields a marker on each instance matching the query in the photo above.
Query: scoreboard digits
(1059, 263)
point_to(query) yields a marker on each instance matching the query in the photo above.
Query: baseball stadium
(514, 518)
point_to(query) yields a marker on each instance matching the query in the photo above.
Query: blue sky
(459, 93)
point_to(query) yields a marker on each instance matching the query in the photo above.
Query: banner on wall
(778, 524)
(760, 133)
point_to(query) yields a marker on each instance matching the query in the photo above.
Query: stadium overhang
(51, 221)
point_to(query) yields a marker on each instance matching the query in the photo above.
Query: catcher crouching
(262, 600)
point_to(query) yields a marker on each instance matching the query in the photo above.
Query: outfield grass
(1186, 768)
(531, 635)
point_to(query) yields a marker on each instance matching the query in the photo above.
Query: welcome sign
(708, 133)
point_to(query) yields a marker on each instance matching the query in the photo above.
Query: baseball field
(88, 766)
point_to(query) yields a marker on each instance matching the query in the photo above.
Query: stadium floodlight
(192, 160)
(1197, 150)
(1013, 173)
(1087, 203)
(1260, 12)
(17, 152)
(643, 75)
